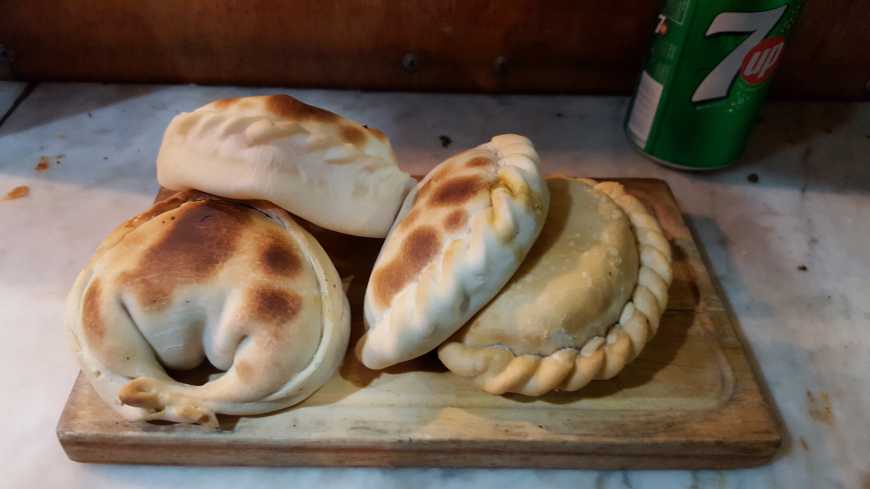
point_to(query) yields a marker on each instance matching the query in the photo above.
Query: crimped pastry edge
(521, 194)
(497, 370)
(247, 177)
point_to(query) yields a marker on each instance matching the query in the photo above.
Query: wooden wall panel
(472, 45)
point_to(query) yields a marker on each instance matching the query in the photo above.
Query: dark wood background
(473, 45)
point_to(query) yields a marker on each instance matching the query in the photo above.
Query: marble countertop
(789, 248)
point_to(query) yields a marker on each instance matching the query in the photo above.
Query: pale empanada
(320, 166)
(460, 235)
(198, 277)
(583, 304)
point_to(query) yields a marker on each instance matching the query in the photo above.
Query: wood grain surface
(473, 45)
(690, 400)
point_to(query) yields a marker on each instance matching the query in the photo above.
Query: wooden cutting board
(690, 400)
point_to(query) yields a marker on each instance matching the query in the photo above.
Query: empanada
(320, 166)
(460, 235)
(585, 301)
(196, 277)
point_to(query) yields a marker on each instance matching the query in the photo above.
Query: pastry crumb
(41, 165)
(18, 192)
(752, 178)
(445, 140)
(44, 162)
(802, 268)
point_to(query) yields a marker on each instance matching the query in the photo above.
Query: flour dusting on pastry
(583, 304)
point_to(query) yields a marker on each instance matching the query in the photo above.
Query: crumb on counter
(445, 140)
(45, 162)
(18, 192)
(41, 165)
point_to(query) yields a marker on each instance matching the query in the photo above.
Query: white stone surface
(809, 330)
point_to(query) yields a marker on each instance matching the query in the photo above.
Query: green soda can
(706, 77)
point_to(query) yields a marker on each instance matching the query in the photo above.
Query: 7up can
(706, 77)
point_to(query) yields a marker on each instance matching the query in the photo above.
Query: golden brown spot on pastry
(273, 306)
(444, 171)
(377, 133)
(353, 135)
(455, 219)
(279, 258)
(418, 249)
(478, 162)
(290, 108)
(167, 203)
(424, 190)
(433, 180)
(436, 178)
(162, 204)
(410, 218)
(92, 320)
(244, 370)
(457, 190)
(203, 236)
(224, 102)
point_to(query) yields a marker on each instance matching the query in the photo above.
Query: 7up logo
(760, 61)
(754, 59)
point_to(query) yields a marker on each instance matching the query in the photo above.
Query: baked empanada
(196, 277)
(460, 235)
(585, 301)
(320, 166)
